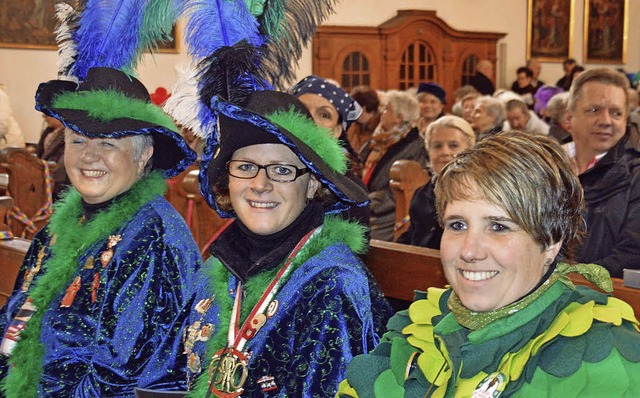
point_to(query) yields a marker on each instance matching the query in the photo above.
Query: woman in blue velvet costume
(106, 285)
(284, 302)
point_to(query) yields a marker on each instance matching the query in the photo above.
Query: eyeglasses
(275, 171)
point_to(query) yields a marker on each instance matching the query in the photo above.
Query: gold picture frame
(606, 31)
(550, 30)
(29, 24)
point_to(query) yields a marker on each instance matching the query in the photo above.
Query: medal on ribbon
(228, 369)
(228, 373)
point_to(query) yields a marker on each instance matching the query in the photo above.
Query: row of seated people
(603, 144)
(117, 251)
(398, 137)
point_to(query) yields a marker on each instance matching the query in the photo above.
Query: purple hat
(433, 89)
(543, 95)
(348, 109)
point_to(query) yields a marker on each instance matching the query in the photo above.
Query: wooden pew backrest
(27, 184)
(400, 270)
(12, 252)
(6, 202)
(405, 176)
(184, 194)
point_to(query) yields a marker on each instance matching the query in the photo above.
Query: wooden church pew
(405, 177)
(12, 251)
(27, 186)
(402, 269)
(184, 194)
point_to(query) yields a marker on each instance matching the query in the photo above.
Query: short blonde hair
(600, 75)
(454, 122)
(529, 176)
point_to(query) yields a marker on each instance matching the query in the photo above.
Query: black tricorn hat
(272, 117)
(111, 104)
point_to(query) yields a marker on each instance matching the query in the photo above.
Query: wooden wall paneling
(337, 44)
(450, 48)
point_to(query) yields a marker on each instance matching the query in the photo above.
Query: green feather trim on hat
(317, 138)
(107, 105)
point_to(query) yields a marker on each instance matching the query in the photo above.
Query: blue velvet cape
(329, 310)
(131, 336)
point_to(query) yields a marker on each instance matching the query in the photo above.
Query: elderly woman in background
(555, 116)
(512, 322)
(10, 133)
(333, 108)
(108, 282)
(488, 116)
(468, 103)
(444, 139)
(432, 98)
(284, 302)
(395, 138)
(361, 131)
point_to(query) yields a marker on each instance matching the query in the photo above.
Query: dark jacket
(558, 132)
(424, 229)
(612, 196)
(383, 204)
(482, 83)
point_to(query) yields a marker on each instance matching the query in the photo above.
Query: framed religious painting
(550, 29)
(606, 23)
(28, 24)
(31, 24)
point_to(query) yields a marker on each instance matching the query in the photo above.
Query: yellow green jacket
(570, 342)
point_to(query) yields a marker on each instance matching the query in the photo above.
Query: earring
(548, 261)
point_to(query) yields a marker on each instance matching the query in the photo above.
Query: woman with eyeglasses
(284, 302)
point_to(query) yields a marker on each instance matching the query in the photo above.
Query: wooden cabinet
(415, 46)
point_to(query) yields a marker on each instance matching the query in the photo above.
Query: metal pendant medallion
(228, 372)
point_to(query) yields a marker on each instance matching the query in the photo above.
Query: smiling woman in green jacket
(511, 324)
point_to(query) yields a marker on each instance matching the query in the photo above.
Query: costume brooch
(76, 284)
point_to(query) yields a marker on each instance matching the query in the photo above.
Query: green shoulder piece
(614, 376)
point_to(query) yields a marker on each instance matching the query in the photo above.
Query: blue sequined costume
(327, 311)
(122, 328)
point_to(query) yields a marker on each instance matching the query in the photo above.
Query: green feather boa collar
(72, 239)
(334, 229)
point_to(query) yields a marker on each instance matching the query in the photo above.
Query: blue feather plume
(218, 23)
(224, 41)
(238, 47)
(109, 35)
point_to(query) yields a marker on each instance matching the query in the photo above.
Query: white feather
(64, 37)
(184, 105)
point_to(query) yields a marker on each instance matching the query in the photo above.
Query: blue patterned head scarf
(348, 109)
